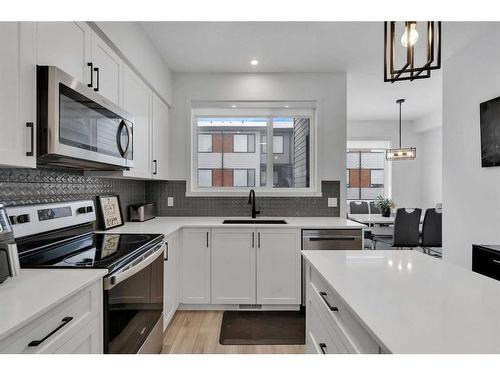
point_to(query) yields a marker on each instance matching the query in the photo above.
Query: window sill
(259, 193)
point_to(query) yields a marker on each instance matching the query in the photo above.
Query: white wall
(406, 174)
(133, 42)
(432, 167)
(471, 194)
(328, 90)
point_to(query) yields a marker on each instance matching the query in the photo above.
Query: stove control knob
(20, 219)
(81, 210)
(90, 209)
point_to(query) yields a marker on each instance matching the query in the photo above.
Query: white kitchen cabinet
(160, 122)
(137, 101)
(108, 70)
(74, 325)
(278, 267)
(171, 277)
(66, 45)
(17, 94)
(195, 266)
(233, 266)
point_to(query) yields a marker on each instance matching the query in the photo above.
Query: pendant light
(401, 153)
(429, 35)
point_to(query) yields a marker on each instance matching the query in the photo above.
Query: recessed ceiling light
(233, 106)
(254, 62)
(286, 106)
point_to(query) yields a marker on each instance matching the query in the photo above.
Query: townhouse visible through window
(365, 173)
(232, 152)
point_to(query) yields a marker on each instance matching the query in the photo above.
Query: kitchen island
(398, 302)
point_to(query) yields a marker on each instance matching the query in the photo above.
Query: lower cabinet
(331, 327)
(259, 266)
(278, 267)
(195, 266)
(171, 278)
(73, 326)
(233, 266)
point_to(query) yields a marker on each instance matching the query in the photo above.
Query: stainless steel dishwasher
(332, 239)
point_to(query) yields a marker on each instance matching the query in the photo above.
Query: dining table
(375, 219)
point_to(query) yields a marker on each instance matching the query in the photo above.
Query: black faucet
(251, 200)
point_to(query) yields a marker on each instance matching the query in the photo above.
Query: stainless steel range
(59, 235)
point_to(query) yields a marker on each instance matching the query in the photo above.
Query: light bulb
(413, 35)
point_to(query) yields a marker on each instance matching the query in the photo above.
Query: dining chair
(358, 207)
(374, 209)
(432, 232)
(406, 230)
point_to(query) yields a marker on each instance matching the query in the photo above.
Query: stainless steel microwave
(79, 128)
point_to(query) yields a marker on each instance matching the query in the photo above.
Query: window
(365, 173)
(232, 152)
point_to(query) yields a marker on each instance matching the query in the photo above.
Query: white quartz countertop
(169, 224)
(35, 291)
(414, 303)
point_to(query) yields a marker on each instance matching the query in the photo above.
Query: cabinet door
(233, 266)
(17, 94)
(137, 101)
(171, 268)
(66, 45)
(278, 266)
(86, 341)
(160, 139)
(108, 70)
(196, 266)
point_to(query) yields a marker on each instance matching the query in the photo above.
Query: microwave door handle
(113, 280)
(123, 151)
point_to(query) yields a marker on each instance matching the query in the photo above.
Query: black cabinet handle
(253, 240)
(32, 128)
(207, 240)
(323, 296)
(166, 251)
(155, 171)
(258, 240)
(97, 79)
(65, 321)
(91, 66)
(322, 346)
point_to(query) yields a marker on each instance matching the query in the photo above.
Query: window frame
(255, 112)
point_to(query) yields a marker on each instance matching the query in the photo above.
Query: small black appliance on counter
(486, 260)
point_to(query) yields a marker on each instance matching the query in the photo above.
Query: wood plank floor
(197, 332)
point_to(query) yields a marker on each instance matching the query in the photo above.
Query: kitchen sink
(253, 221)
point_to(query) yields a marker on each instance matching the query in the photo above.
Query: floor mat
(263, 328)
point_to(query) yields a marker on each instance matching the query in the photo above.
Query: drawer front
(486, 262)
(58, 325)
(321, 338)
(87, 340)
(354, 335)
(334, 239)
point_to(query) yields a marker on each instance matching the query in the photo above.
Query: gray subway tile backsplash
(28, 186)
(158, 191)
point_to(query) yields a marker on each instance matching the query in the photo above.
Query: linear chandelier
(401, 153)
(409, 38)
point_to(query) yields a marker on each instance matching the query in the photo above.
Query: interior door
(66, 45)
(17, 96)
(233, 266)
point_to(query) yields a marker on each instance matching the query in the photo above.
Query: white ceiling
(352, 47)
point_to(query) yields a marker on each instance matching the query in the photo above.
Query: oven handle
(113, 280)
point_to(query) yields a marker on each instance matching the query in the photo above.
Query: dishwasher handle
(334, 238)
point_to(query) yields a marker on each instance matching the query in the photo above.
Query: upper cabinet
(137, 101)
(67, 45)
(108, 70)
(17, 94)
(160, 139)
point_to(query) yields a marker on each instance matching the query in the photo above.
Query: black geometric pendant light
(401, 50)
(401, 153)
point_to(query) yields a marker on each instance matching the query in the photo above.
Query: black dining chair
(374, 209)
(358, 207)
(406, 230)
(432, 232)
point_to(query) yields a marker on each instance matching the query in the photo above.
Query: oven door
(133, 305)
(79, 126)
